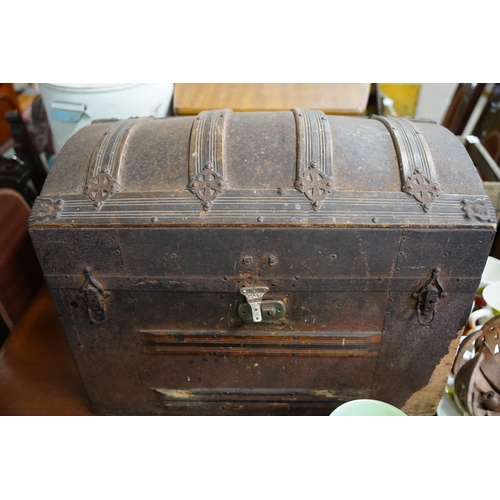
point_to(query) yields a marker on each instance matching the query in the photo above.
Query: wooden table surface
(332, 98)
(37, 373)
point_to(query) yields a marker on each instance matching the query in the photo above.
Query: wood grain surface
(37, 373)
(332, 98)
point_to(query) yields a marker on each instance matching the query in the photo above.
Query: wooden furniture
(487, 128)
(462, 105)
(20, 273)
(37, 373)
(332, 98)
(8, 102)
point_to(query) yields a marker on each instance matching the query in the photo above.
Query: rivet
(272, 260)
(247, 260)
(260, 219)
(154, 219)
(375, 219)
(206, 204)
(316, 204)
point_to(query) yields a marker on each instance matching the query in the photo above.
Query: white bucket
(72, 106)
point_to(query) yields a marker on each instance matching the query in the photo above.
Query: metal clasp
(427, 298)
(254, 296)
(257, 310)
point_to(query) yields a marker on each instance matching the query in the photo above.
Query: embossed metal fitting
(423, 189)
(100, 188)
(315, 185)
(47, 209)
(207, 185)
(254, 296)
(475, 209)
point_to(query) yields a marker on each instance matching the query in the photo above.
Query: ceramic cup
(491, 296)
(367, 408)
(491, 273)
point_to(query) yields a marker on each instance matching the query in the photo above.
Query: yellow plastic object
(404, 95)
(367, 408)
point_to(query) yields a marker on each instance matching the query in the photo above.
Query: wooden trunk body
(369, 233)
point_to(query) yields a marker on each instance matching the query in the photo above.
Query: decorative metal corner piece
(476, 209)
(47, 209)
(100, 188)
(423, 189)
(316, 185)
(207, 185)
(427, 298)
(93, 294)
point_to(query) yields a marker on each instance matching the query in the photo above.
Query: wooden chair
(20, 273)
(462, 105)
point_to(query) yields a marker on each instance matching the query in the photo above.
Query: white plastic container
(72, 106)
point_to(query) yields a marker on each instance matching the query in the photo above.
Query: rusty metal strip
(237, 398)
(104, 171)
(418, 173)
(314, 176)
(240, 344)
(207, 167)
(347, 207)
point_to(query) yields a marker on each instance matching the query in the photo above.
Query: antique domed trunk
(262, 263)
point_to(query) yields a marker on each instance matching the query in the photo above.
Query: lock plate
(271, 310)
(255, 308)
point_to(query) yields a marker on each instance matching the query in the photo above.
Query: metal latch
(427, 298)
(256, 308)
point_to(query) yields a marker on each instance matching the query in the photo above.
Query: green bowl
(367, 408)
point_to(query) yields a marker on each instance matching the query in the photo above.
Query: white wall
(434, 100)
